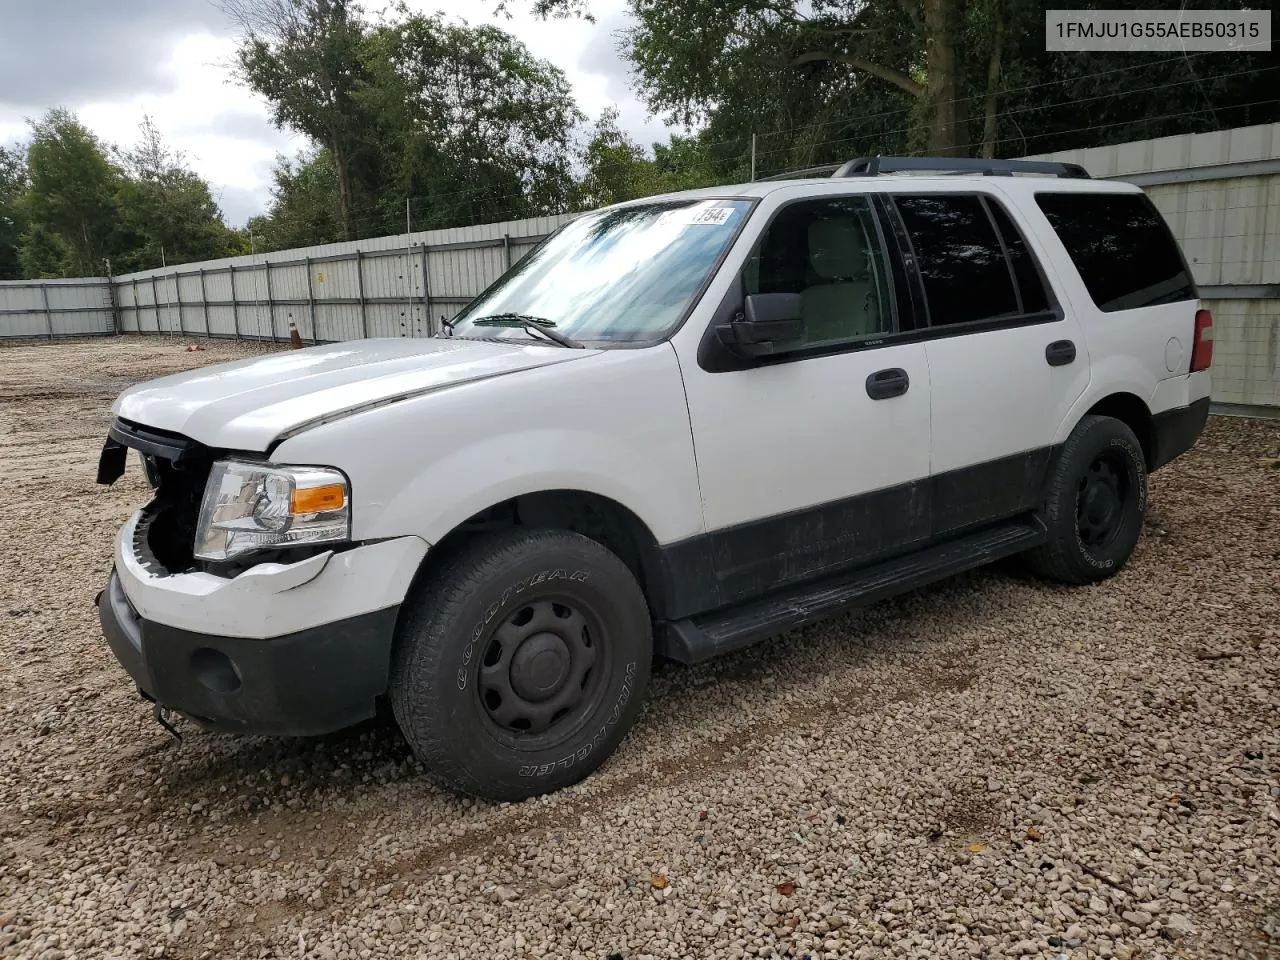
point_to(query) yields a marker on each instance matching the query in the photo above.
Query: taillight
(1202, 345)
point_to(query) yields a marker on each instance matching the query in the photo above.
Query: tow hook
(162, 718)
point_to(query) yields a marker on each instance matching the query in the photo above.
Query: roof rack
(825, 170)
(873, 166)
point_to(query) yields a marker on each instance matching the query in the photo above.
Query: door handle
(884, 384)
(1060, 353)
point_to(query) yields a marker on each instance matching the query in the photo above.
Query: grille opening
(171, 536)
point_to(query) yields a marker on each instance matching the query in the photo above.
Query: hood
(249, 404)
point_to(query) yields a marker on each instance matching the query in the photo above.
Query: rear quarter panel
(1130, 351)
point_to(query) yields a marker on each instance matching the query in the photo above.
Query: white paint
(613, 424)
(247, 404)
(271, 599)
(433, 432)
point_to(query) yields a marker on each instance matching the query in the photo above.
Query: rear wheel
(521, 663)
(1094, 505)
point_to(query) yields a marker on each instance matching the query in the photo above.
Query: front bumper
(314, 681)
(282, 648)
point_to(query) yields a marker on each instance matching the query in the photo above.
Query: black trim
(873, 166)
(692, 641)
(302, 684)
(990, 491)
(750, 560)
(1176, 431)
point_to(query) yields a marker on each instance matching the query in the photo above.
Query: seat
(842, 302)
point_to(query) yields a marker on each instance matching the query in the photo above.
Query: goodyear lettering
(478, 631)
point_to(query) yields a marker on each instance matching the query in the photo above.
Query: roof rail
(826, 170)
(873, 166)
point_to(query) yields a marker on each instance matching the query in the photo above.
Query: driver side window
(827, 251)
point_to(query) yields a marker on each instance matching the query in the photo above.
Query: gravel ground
(992, 767)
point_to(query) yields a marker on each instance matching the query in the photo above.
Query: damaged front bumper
(284, 649)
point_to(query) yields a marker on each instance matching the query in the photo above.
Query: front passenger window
(827, 251)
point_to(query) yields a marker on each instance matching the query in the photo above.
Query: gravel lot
(992, 767)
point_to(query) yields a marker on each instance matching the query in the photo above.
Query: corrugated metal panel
(1246, 351)
(1238, 145)
(58, 308)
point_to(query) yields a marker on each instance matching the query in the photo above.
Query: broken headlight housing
(253, 506)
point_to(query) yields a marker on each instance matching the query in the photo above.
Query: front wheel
(1094, 504)
(521, 662)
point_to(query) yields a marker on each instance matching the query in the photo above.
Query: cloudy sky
(112, 62)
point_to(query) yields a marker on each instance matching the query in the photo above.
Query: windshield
(620, 275)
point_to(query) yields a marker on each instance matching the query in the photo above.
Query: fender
(423, 466)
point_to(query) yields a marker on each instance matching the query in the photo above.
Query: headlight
(250, 506)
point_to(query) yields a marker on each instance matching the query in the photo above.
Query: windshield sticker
(698, 216)
(711, 216)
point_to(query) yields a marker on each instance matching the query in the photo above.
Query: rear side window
(960, 258)
(1122, 248)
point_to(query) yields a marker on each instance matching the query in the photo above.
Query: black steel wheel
(1101, 500)
(520, 662)
(539, 671)
(1094, 504)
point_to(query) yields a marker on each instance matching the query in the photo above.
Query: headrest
(837, 249)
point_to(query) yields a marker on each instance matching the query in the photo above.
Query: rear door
(1006, 360)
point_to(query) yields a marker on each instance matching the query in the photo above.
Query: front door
(815, 459)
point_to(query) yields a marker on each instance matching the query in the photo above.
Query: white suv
(680, 425)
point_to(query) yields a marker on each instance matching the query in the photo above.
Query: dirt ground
(992, 767)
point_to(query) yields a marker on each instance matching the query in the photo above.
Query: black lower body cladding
(306, 683)
(1176, 431)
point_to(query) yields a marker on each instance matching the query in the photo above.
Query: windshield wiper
(530, 324)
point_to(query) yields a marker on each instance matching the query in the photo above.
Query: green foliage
(824, 80)
(462, 120)
(167, 214)
(303, 208)
(304, 57)
(13, 184)
(70, 201)
(72, 204)
(618, 169)
(465, 121)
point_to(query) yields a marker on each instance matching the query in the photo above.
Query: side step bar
(723, 631)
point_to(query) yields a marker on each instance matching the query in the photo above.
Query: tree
(13, 184)
(303, 56)
(167, 214)
(70, 203)
(302, 209)
(825, 80)
(465, 121)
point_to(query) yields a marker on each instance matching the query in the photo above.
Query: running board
(723, 631)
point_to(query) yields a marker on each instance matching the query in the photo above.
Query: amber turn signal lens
(332, 496)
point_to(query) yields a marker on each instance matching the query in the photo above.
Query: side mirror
(768, 321)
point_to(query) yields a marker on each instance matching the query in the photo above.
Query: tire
(521, 662)
(1094, 505)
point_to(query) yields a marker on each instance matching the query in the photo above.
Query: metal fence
(386, 287)
(56, 308)
(400, 286)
